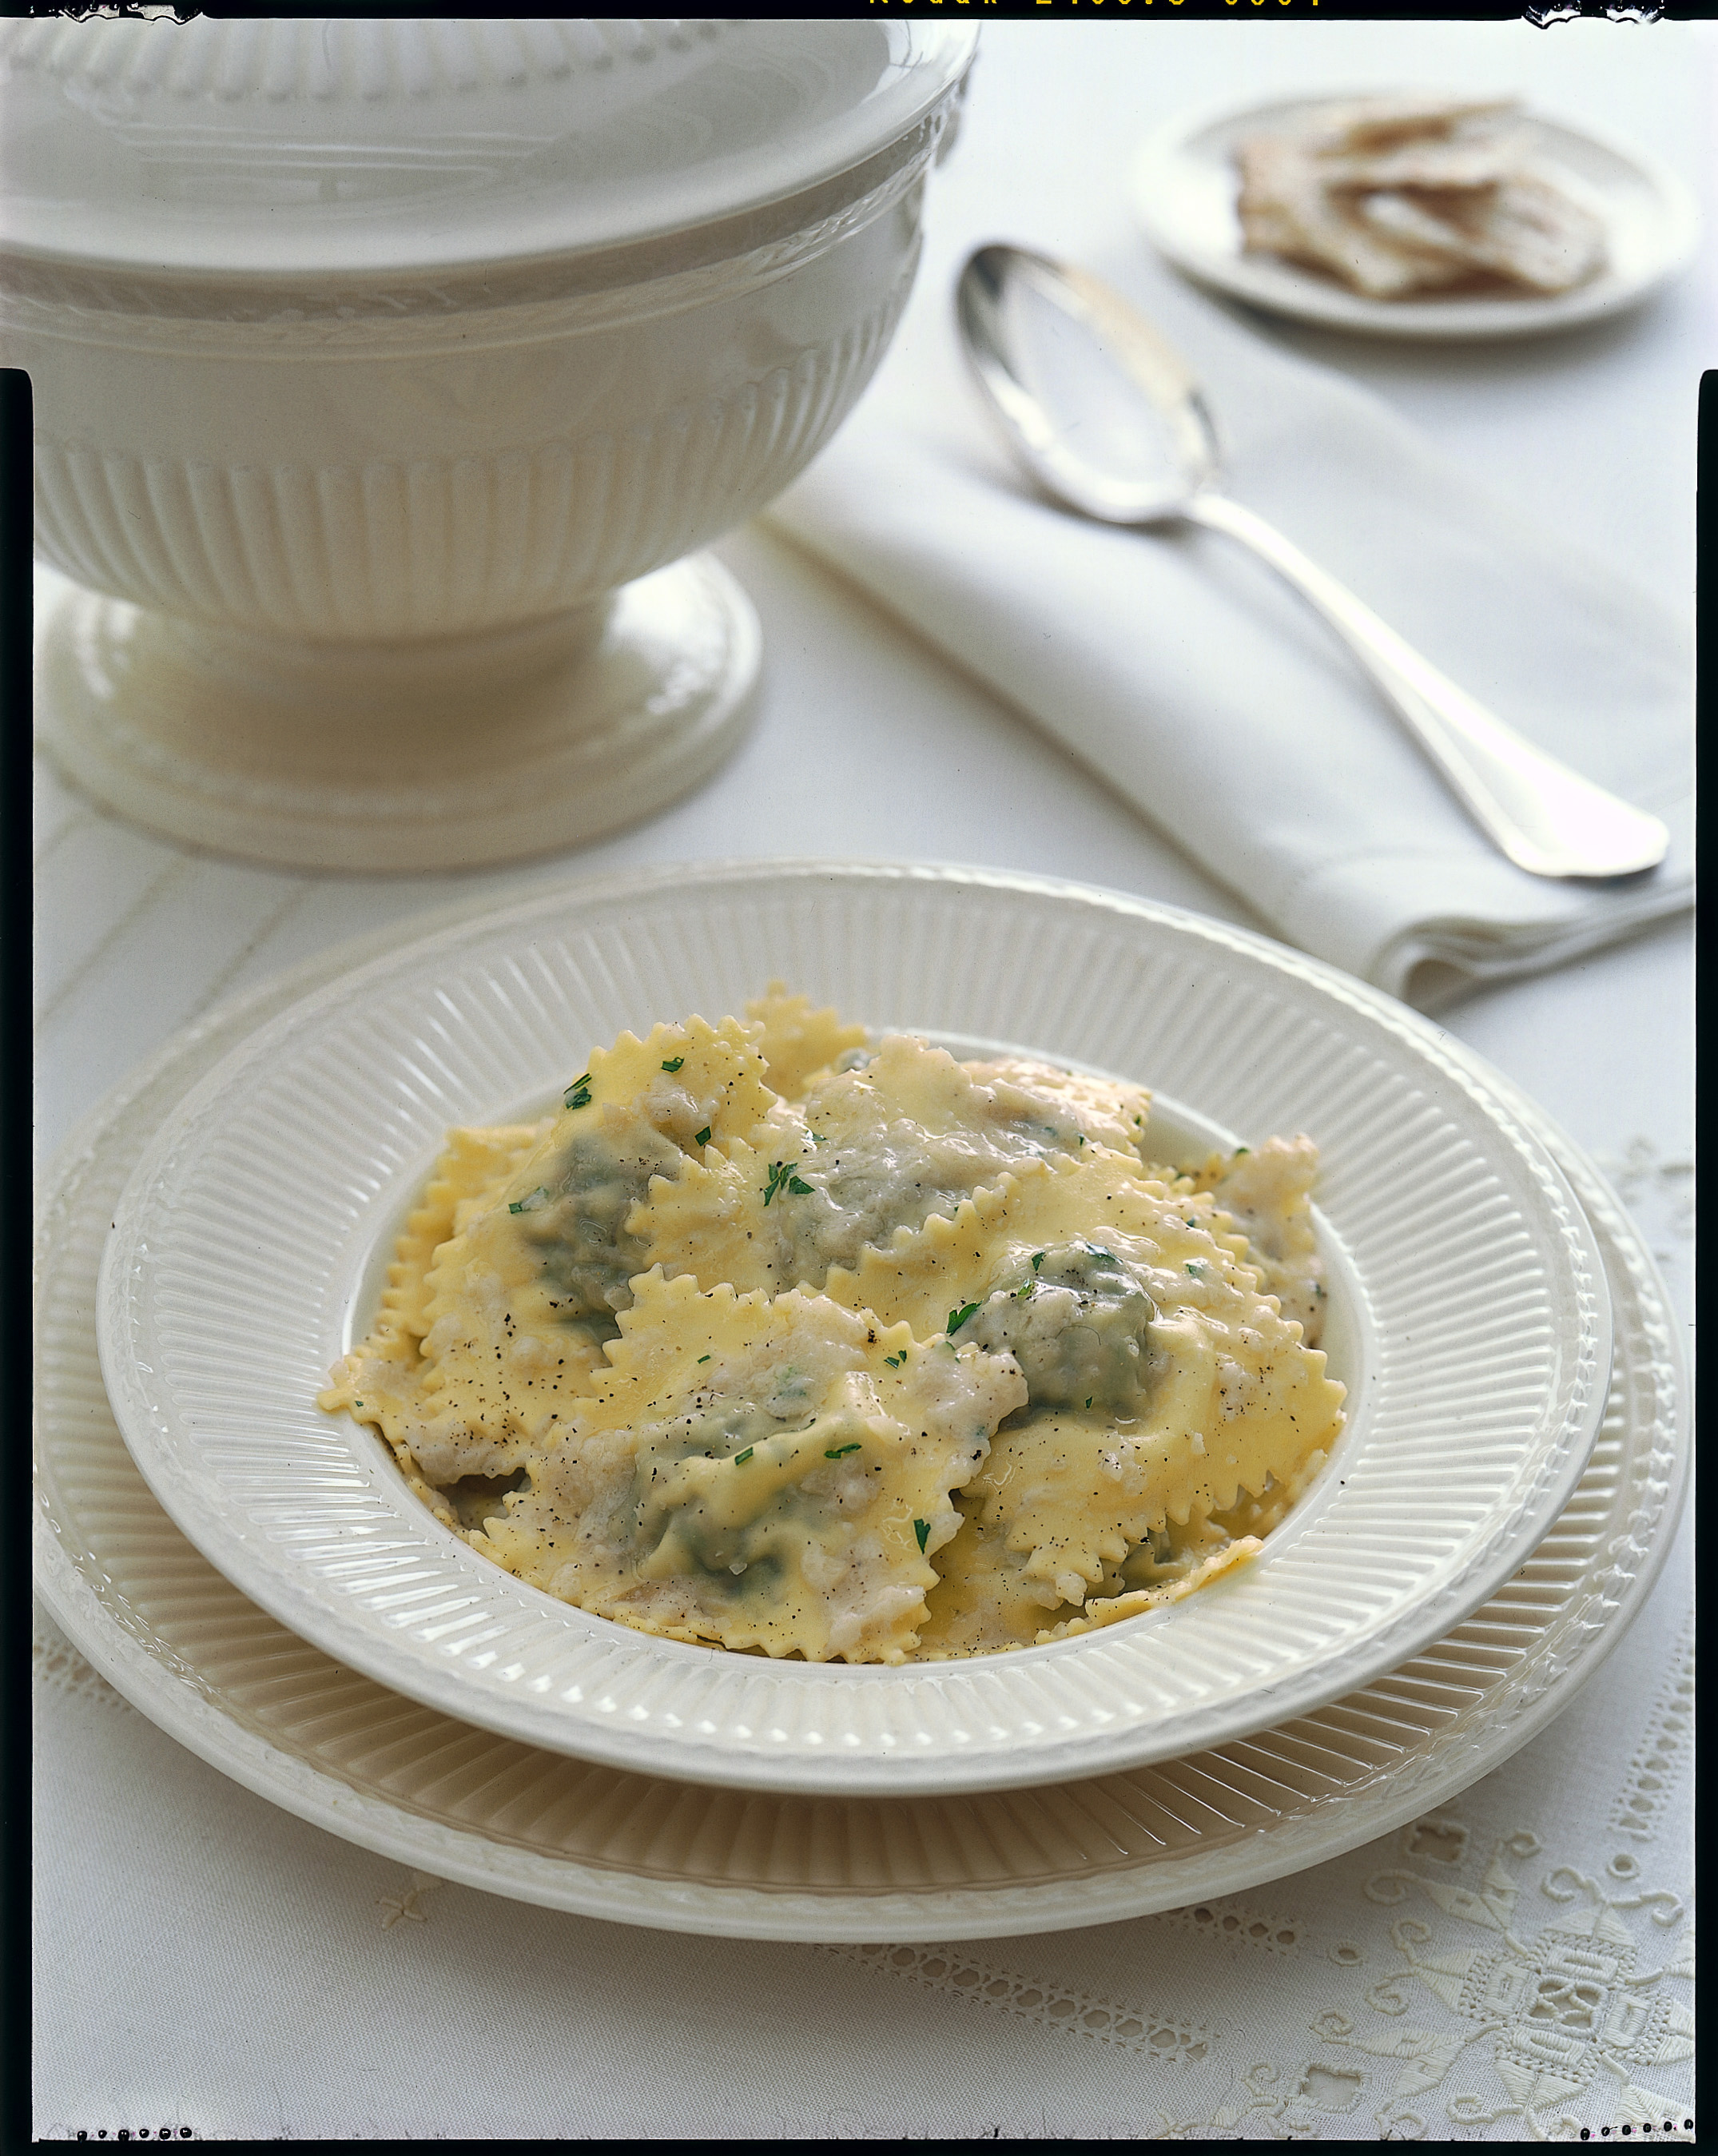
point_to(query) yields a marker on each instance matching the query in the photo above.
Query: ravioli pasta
(776, 1340)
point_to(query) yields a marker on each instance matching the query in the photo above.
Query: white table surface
(205, 1961)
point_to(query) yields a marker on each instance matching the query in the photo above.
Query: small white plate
(336, 1749)
(1184, 184)
(1473, 1323)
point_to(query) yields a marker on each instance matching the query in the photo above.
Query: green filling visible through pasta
(789, 1342)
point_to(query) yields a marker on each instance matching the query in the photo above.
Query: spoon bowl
(1105, 414)
(1111, 422)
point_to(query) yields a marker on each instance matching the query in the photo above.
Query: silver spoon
(1107, 419)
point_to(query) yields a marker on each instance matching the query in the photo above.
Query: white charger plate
(1184, 184)
(343, 1753)
(1473, 1327)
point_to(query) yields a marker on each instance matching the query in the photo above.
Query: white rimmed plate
(1184, 183)
(1476, 1325)
(336, 1749)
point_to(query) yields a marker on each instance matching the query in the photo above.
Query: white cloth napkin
(1187, 677)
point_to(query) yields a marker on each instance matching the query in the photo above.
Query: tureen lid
(293, 145)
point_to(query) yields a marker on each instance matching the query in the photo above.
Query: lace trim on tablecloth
(1652, 1771)
(960, 1974)
(1243, 1926)
(1547, 1996)
(408, 1909)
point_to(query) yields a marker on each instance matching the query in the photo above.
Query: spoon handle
(1546, 819)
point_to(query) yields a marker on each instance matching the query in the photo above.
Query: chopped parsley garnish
(895, 1362)
(740, 1458)
(957, 1318)
(1239, 1150)
(533, 1202)
(703, 1137)
(1088, 1399)
(1195, 1268)
(1037, 1260)
(578, 1093)
(921, 1528)
(675, 1065)
(782, 1177)
(704, 1358)
(841, 1451)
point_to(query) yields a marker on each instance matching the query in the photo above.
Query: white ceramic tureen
(380, 366)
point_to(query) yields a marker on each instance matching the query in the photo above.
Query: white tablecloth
(206, 1962)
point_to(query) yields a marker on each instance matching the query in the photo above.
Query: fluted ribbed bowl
(375, 473)
(358, 529)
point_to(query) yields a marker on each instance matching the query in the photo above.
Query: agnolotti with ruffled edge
(781, 1341)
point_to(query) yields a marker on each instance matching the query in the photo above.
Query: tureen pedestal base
(398, 758)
